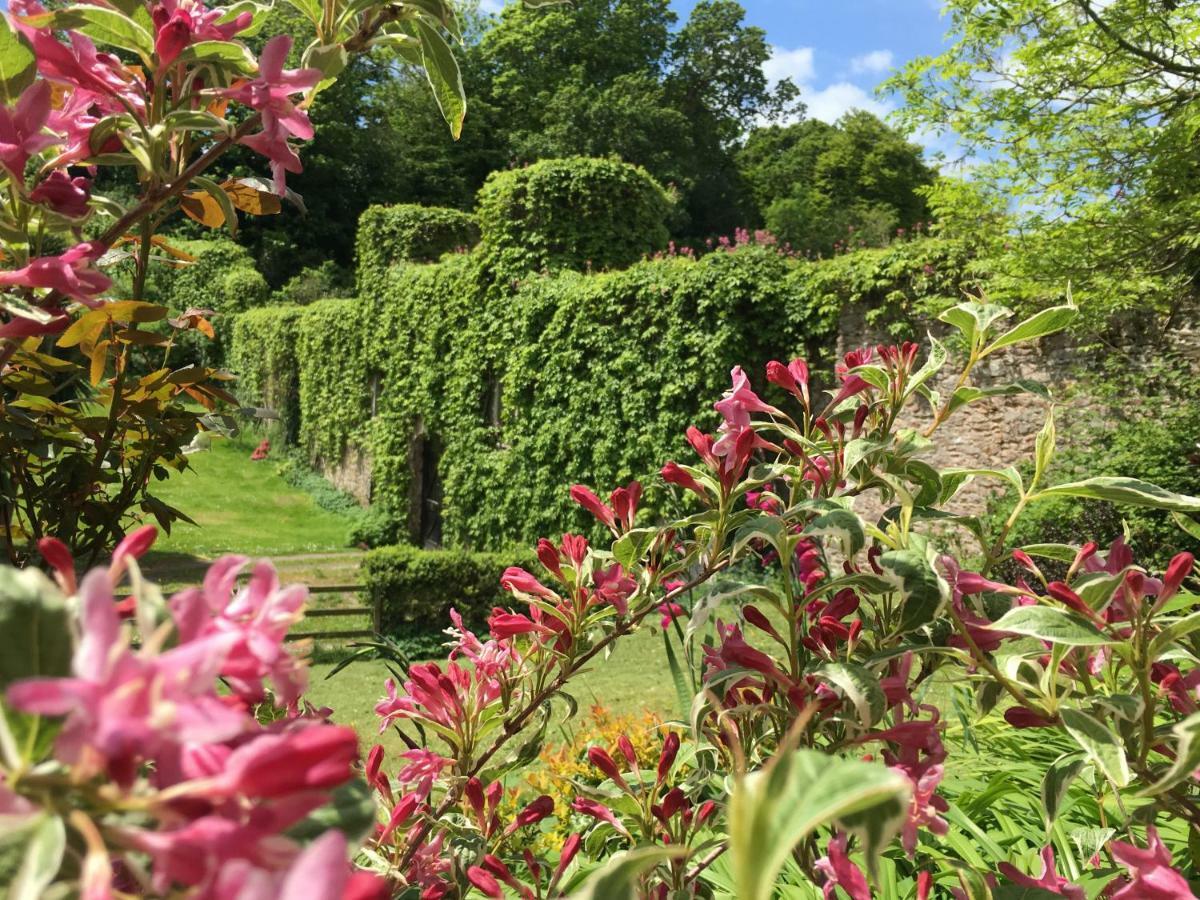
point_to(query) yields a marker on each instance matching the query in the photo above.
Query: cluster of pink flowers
(77, 88)
(220, 788)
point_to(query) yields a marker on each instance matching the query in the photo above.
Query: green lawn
(634, 678)
(244, 507)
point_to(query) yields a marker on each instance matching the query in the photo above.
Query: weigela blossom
(270, 93)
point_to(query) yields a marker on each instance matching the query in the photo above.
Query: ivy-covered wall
(471, 391)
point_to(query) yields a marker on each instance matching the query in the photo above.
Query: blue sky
(837, 51)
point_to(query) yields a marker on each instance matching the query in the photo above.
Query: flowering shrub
(813, 749)
(163, 89)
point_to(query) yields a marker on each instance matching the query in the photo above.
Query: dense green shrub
(410, 233)
(576, 213)
(418, 588)
(333, 391)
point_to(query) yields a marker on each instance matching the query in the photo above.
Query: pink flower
(613, 586)
(123, 708)
(257, 619)
(423, 765)
(179, 24)
(533, 813)
(518, 581)
(70, 274)
(313, 757)
(1048, 881)
(270, 94)
(792, 378)
(1152, 876)
(624, 501)
(735, 408)
(504, 625)
(670, 612)
(65, 195)
(22, 129)
(839, 871)
(55, 552)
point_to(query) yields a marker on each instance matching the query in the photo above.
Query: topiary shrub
(575, 213)
(410, 233)
(416, 590)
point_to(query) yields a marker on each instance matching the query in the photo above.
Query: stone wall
(1000, 431)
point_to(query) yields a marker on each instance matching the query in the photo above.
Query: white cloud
(829, 103)
(794, 64)
(874, 62)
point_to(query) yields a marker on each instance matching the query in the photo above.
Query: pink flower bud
(135, 544)
(55, 552)
(539, 809)
(1178, 569)
(547, 555)
(599, 758)
(673, 474)
(485, 882)
(673, 802)
(570, 847)
(586, 498)
(598, 811)
(625, 745)
(667, 758)
(518, 580)
(624, 503)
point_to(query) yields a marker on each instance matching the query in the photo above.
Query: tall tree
(1081, 116)
(815, 184)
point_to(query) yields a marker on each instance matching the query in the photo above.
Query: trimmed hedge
(417, 589)
(477, 387)
(575, 213)
(410, 233)
(263, 353)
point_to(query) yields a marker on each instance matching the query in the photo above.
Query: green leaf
(683, 692)
(1048, 321)
(1058, 626)
(1043, 448)
(1117, 489)
(1099, 743)
(922, 590)
(441, 68)
(970, 393)
(771, 529)
(41, 862)
(932, 365)
(861, 688)
(18, 65)
(630, 547)
(35, 630)
(107, 26)
(1172, 632)
(227, 52)
(1190, 526)
(329, 59)
(1055, 783)
(771, 810)
(973, 319)
(842, 524)
(617, 879)
(1008, 473)
(1187, 756)
(1060, 552)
